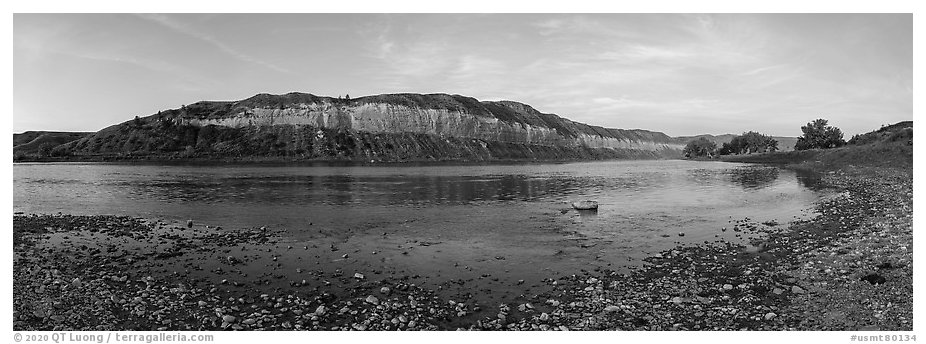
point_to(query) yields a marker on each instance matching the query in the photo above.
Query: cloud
(764, 69)
(189, 31)
(637, 53)
(108, 55)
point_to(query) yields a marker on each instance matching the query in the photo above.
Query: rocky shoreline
(850, 268)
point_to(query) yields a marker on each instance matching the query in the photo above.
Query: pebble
(320, 310)
(372, 299)
(797, 290)
(612, 309)
(358, 275)
(544, 317)
(727, 287)
(770, 316)
(228, 318)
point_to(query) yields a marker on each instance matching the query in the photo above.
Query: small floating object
(681, 234)
(189, 224)
(585, 205)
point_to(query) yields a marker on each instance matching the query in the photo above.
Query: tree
(749, 142)
(700, 147)
(818, 134)
(758, 143)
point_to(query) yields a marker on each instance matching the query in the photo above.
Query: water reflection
(810, 179)
(754, 177)
(359, 190)
(621, 188)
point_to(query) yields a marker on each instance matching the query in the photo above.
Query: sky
(681, 74)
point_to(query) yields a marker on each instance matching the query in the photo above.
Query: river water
(442, 221)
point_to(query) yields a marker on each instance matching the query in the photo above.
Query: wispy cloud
(764, 69)
(182, 28)
(190, 80)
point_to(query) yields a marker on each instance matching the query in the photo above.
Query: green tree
(700, 147)
(818, 134)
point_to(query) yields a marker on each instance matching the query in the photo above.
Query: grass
(892, 151)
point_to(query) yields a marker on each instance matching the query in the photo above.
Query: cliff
(392, 127)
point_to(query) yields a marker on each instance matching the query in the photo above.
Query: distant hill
(388, 127)
(30, 142)
(784, 143)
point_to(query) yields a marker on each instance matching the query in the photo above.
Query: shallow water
(445, 222)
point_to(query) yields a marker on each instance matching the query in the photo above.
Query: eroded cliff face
(426, 127)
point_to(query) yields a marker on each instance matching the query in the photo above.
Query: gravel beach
(850, 268)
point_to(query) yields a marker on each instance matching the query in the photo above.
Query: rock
(320, 310)
(201, 303)
(770, 316)
(372, 299)
(249, 321)
(544, 317)
(874, 279)
(797, 290)
(777, 291)
(727, 287)
(189, 224)
(676, 300)
(228, 318)
(681, 234)
(232, 260)
(585, 205)
(358, 276)
(612, 309)
(76, 283)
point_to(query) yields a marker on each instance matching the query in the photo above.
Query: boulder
(585, 205)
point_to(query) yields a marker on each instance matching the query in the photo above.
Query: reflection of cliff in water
(348, 189)
(754, 177)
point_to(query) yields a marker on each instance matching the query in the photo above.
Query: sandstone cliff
(392, 127)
